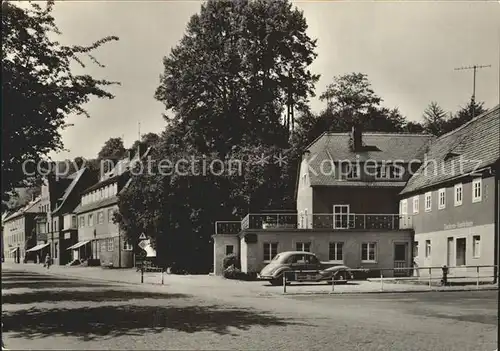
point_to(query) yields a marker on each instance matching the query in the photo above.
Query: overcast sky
(408, 50)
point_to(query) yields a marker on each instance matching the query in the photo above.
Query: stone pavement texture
(211, 284)
(52, 311)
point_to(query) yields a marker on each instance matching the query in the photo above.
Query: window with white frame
(428, 249)
(415, 249)
(404, 207)
(415, 203)
(126, 246)
(368, 252)
(458, 194)
(100, 217)
(110, 244)
(476, 246)
(270, 250)
(476, 190)
(90, 220)
(389, 172)
(336, 251)
(303, 246)
(442, 198)
(428, 201)
(82, 221)
(110, 215)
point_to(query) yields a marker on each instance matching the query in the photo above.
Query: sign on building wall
(458, 225)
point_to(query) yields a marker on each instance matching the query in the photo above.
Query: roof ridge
(403, 134)
(475, 119)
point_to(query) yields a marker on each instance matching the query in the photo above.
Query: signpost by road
(142, 244)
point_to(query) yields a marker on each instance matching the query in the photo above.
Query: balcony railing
(327, 221)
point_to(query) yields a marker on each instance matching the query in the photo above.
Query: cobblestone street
(43, 311)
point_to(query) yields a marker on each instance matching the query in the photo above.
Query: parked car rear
(301, 266)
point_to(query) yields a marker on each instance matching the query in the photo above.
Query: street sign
(143, 244)
(142, 237)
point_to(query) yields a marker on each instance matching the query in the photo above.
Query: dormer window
(450, 155)
(389, 172)
(351, 171)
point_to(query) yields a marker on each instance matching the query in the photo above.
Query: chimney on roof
(130, 153)
(306, 154)
(357, 137)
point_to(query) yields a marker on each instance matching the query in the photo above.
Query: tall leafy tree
(350, 96)
(464, 115)
(39, 87)
(148, 139)
(435, 119)
(111, 152)
(350, 100)
(413, 127)
(230, 77)
(112, 149)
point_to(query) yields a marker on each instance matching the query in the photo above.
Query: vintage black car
(301, 266)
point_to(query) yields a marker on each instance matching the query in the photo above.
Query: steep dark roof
(477, 143)
(336, 147)
(29, 208)
(95, 205)
(120, 171)
(75, 177)
(104, 183)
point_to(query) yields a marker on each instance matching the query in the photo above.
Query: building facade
(347, 207)
(99, 239)
(47, 225)
(64, 228)
(453, 199)
(19, 232)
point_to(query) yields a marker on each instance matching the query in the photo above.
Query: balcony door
(401, 259)
(340, 216)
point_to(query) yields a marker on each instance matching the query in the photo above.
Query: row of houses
(372, 200)
(72, 219)
(385, 201)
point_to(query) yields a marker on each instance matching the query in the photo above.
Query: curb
(382, 292)
(69, 275)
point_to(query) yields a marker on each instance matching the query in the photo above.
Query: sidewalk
(196, 284)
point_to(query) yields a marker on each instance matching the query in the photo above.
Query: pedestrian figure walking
(47, 261)
(444, 279)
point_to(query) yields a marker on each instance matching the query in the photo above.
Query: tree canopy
(112, 149)
(438, 122)
(230, 77)
(39, 88)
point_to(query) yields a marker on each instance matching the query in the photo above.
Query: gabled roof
(476, 143)
(110, 201)
(75, 177)
(29, 208)
(121, 168)
(335, 147)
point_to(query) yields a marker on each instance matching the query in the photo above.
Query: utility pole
(474, 68)
(139, 131)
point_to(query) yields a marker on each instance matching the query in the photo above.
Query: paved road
(49, 312)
